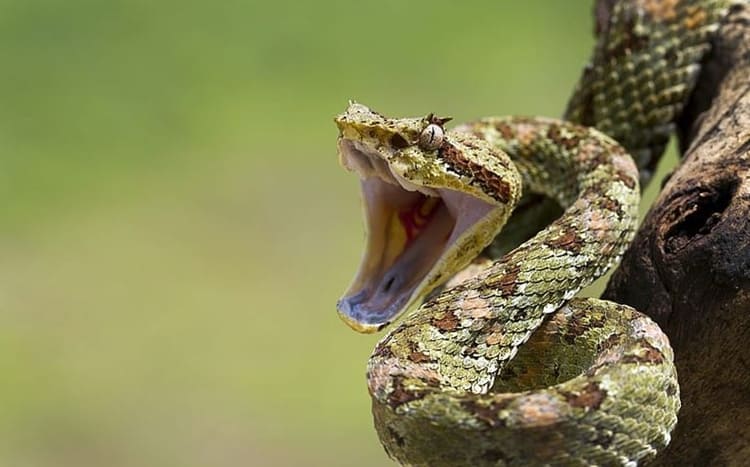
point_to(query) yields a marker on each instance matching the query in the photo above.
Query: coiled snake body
(503, 366)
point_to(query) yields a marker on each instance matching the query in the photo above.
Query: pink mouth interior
(393, 267)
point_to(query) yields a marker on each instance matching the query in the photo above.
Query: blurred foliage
(176, 229)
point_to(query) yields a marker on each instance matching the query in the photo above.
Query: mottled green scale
(643, 69)
(619, 411)
(507, 368)
(465, 336)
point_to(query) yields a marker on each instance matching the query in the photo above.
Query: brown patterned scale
(502, 366)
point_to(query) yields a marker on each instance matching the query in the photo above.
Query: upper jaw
(356, 156)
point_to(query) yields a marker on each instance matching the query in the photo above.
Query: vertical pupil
(431, 137)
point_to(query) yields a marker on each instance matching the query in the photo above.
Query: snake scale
(503, 366)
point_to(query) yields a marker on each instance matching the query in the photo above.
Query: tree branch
(689, 266)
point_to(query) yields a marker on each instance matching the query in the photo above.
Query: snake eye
(431, 137)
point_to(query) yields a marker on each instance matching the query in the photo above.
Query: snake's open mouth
(410, 232)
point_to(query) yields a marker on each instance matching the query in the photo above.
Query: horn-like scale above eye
(431, 137)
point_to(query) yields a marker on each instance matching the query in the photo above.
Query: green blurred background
(176, 229)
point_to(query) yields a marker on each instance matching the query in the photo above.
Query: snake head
(433, 199)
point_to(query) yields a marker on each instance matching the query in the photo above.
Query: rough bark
(689, 267)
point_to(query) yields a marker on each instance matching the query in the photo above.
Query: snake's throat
(411, 232)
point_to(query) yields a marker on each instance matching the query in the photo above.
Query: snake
(494, 360)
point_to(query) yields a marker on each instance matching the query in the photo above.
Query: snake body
(505, 367)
